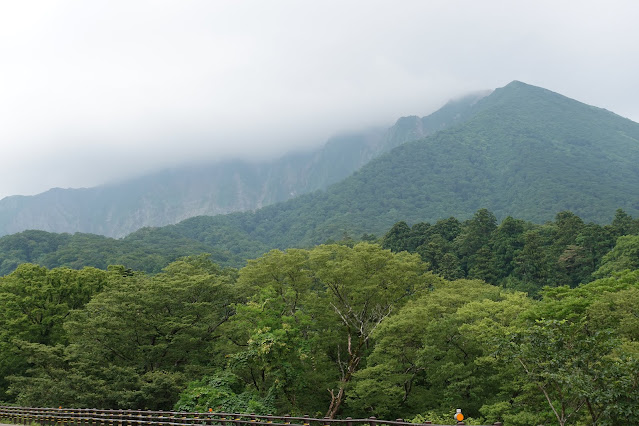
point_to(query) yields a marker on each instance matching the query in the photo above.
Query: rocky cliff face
(173, 195)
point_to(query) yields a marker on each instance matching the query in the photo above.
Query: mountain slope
(173, 195)
(525, 152)
(522, 151)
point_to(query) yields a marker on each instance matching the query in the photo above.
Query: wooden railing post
(372, 421)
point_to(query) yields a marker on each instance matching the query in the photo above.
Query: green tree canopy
(136, 343)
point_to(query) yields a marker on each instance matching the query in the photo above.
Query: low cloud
(94, 91)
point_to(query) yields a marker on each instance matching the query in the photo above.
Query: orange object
(459, 417)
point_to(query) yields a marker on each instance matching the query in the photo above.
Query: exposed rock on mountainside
(173, 195)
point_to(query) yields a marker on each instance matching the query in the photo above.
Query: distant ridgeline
(514, 253)
(170, 196)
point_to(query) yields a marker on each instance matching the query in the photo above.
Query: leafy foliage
(338, 330)
(518, 254)
(309, 320)
(34, 303)
(134, 344)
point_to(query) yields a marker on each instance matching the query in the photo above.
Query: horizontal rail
(97, 417)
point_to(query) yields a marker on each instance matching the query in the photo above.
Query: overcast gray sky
(92, 91)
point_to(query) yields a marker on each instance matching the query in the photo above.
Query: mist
(92, 92)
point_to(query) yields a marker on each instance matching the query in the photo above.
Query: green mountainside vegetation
(512, 321)
(517, 254)
(514, 253)
(525, 152)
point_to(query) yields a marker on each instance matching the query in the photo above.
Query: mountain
(170, 196)
(522, 151)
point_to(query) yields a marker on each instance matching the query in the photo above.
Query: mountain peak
(516, 83)
(518, 86)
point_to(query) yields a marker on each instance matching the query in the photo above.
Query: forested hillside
(521, 255)
(176, 194)
(514, 253)
(523, 152)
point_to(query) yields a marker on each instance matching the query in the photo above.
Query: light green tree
(310, 315)
(437, 353)
(625, 255)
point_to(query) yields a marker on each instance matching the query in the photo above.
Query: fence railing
(94, 417)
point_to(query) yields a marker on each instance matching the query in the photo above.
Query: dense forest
(512, 321)
(566, 250)
(518, 254)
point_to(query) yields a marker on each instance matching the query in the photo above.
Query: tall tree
(476, 234)
(396, 239)
(622, 224)
(308, 324)
(625, 255)
(506, 243)
(437, 351)
(363, 286)
(578, 351)
(532, 263)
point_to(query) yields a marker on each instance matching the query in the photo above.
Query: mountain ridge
(172, 195)
(522, 151)
(456, 171)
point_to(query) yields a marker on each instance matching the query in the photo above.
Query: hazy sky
(92, 91)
